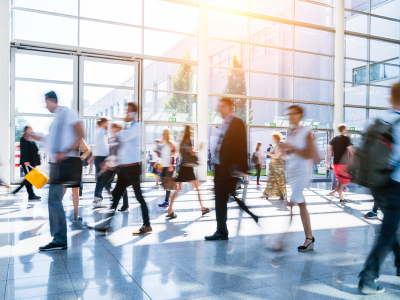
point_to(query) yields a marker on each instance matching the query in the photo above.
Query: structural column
(202, 97)
(5, 90)
(339, 64)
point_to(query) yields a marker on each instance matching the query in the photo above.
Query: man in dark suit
(209, 159)
(230, 163)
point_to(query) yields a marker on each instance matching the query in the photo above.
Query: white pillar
(5, 90)
(339, 64)
(202, 97)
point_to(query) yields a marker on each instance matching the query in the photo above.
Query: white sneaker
(155, 187)
(99, 204)
(373, 289)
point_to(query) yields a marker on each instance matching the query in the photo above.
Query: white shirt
(166, 153)
(129, 151)
(61, 136)
(101, 141)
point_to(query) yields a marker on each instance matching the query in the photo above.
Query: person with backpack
(256, 160)
(342, 150)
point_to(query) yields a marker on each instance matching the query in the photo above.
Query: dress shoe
(35, 197)
(216, 237)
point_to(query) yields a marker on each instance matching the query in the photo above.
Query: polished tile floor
(174, 262)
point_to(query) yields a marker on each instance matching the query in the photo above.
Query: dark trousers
(209, 164)
(26, 183)
(375, 207)
(388, 200)
(258, 168)
(223, 189)
(98, 160)
(131, 176)
(108, 177)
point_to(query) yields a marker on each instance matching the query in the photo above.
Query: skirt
(299, 179)
(185, 174)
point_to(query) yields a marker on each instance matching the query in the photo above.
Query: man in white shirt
(102, 150)
(65, 133)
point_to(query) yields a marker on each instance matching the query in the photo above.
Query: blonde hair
(168, 134)
(258, 146)
(278, 136)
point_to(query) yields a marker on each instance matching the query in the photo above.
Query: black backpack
(371, 166)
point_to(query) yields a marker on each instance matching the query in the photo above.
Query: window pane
(270, 86)
(29, 96)
(355, 22)
(122, 11)
(44, 67)
(227, 81)
(67, 7)
(44, 28)
(313, 40)
(355, 94)
(314, 14)
(227, 26)
(167, 44)
(270, 33)
(355, 47)
(311, 65)
(385, 28)
(107, 102)
(355, 117)
(109, 73)
(110, 37)
(239, 109)
(383, 51)
(376, 114)
(360, 5)
(312, 90)
(319, 115)
(231, 4)
(383, 74)
(386, 8)
(221, 53)
(169, 76)
(171, 16)
(379, 96)
(266, 112)
(270, 60)
(355, 71)
(161, 106)
(276, 8)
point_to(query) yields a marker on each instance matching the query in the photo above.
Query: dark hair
(186, 137)
(98, 123)
(51, 96)
(27, 127)
(297, 108)
(133, 107)
(103, 120)
(396, 93)
(227, 101)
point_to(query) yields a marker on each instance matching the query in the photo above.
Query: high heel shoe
(309, 247)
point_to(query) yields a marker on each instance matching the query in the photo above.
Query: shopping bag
(37, 177)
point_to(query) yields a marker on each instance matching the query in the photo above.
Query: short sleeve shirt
(340, 154)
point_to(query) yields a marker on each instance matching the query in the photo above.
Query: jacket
(29, 152)
(233, 152)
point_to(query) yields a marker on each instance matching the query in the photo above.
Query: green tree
(182, 81)
(20, 123)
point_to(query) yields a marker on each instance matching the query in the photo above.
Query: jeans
(108, 177)
(98, 160)
(388, 200)
(258, 168)
(58, 225)
(222, 191)
(131, 176)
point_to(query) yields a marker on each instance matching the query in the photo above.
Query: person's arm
(240, 147)
(328, 156)
(79, 136)
(130, 133)
(351, 150)
(306, 153)
(85, 148)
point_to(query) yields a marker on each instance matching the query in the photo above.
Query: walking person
(342, 150)
(101, 152)
(167, 159)
(373, 214)
(186, 173)
(387, 198)
(230, 163)
(301, 150)
(276, 181)
(65, 133)
(29, 159)
(155, 162)
(257, 161)
(209, 160)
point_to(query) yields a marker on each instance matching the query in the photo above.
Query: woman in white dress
(300, 148)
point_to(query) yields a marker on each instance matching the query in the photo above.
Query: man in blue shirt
(388, 200)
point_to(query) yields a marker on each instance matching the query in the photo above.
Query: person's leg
(171, 202)
(98, 160)
(123, 182)
(375, 207)
(305, 219)
(75, 201)
(334, 182)
(28, 185)
(339, 190)
(222, 191)
(135, 181)
(196, 187)
(58, 225)
(125, 200)
(157, 177)
(258, 167)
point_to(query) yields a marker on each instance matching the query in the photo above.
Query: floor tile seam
(69, 276)
(5, 289)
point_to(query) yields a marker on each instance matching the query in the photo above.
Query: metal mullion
(110, 86)
(171, 92)
(79, 23)
(142, 29)
(317, 3)
(365, 106)
(97, 117)
(170, 31)
(356, 11)
(292, 92)
(248, 83)
(382, 62)
(227, 40)
(12, 119)
(34, 115)
(185, 2)
(44, 80)
(290, 49)
(379, 38)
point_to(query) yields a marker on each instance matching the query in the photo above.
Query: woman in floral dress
(276, 184)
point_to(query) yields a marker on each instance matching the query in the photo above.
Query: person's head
(258, 146)
(156, 142)
(98, 123)
(167, 136)
(277, 137)
(28, 129)
(295, 114)
(209, 151)
(395, 96)
(225, 107)
(187, 133)
(103, 123)
(51, 101)
(131, 112)
(270, 145)
(115, 128)
(342, 129)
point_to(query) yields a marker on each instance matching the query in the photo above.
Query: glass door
(321, 139)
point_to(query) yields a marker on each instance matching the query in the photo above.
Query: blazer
(29, 152)
(233, 152)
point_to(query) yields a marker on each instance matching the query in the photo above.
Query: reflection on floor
(174, 262)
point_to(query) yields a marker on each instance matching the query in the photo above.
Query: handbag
(254, 159)
(37, 177)
(169, 183)
(189, 160)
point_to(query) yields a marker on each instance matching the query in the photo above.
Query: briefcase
(37, 177)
